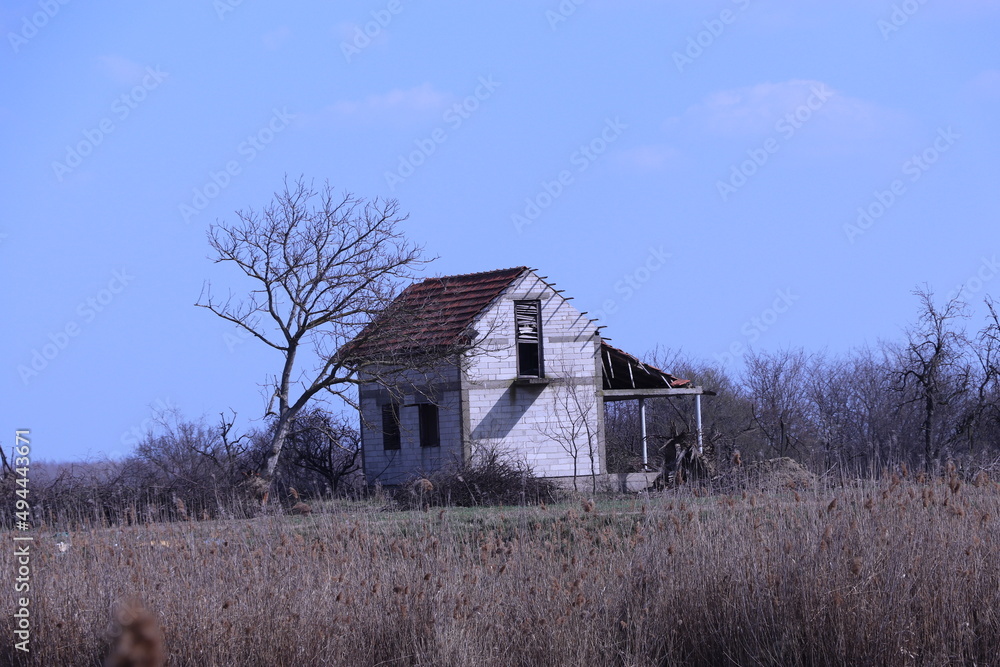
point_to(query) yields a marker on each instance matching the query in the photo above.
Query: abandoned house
(523, 372)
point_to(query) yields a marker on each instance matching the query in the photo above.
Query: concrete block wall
(398, 466)
(541, 424)
(530, 430)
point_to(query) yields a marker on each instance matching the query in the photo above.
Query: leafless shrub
(321, 455)
(491, 479)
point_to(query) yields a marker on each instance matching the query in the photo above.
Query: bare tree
(830, 408)
(324, 266)
(776, 383)
(572, 423)
(324, 446)
(728, 418)
(934, 368)
(989, 359)
(196, 461)
(5, 469)
(622, 436)
(979, 421)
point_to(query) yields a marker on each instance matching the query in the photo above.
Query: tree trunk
(277, 442)
(928, 435)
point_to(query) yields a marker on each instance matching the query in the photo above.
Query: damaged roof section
(623, 371)
(432, 314)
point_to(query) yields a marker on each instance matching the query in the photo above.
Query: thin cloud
(421, 99)
(649, 157)
(274, 39)
(986, 84)
(976, 6)
(350, 32)
(757, 110)
(397, 106)
(121, 70)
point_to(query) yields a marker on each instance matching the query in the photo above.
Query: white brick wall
(542, 424)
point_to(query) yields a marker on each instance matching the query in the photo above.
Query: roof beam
(632, 394)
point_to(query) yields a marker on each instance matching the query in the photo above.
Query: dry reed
(900, 573)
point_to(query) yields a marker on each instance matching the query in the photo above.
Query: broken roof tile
(438, 311)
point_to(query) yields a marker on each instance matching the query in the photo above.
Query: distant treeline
(932, 397)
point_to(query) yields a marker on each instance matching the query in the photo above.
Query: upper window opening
(528, 334)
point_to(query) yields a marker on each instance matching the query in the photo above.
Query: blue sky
(702, 175)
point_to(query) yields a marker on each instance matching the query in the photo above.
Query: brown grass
(896, 574)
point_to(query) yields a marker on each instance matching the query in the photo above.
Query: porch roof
(628, 378)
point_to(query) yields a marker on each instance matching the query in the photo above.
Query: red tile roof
(438, 311)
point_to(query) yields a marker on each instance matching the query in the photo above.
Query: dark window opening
(429, 434)
(527, 360)
(528, 333)
(390, 426)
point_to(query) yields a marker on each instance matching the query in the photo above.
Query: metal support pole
(642, 418)
(697, 409)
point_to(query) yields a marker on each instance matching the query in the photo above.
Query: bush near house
(492, 479)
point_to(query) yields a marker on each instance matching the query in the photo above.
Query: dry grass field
(897, 572)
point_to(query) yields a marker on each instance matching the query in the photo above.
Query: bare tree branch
(325, 268)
